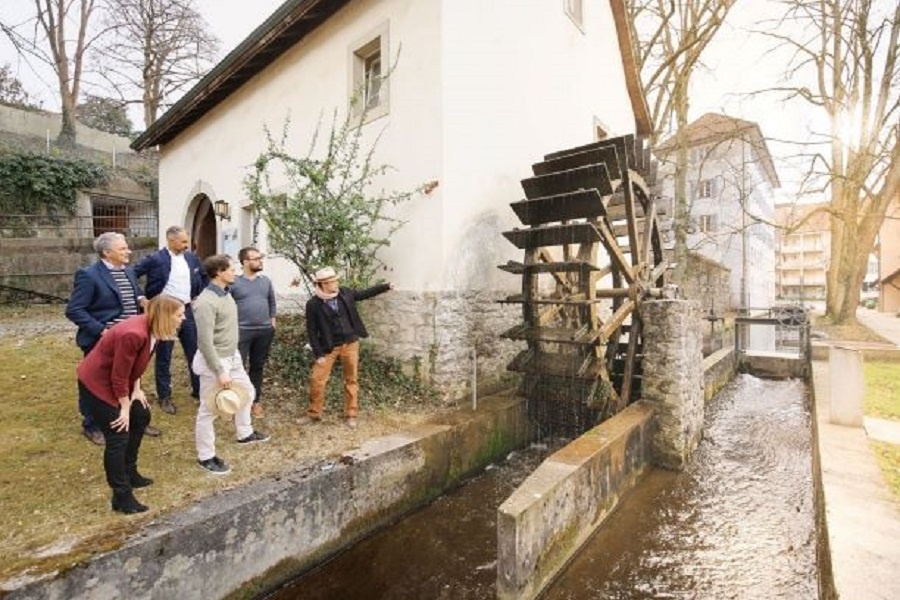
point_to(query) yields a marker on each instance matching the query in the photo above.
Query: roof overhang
(293, 21)
(290, 23)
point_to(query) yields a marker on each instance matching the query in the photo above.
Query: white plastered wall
(520, 80)
(306, 83)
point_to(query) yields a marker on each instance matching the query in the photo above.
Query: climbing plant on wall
(39, 185)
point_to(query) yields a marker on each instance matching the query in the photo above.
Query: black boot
(138, 481)
(125, 502)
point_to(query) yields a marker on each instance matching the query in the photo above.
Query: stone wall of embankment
(240, 542)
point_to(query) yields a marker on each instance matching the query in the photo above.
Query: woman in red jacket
(109, 383)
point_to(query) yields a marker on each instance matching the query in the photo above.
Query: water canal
(737, 523)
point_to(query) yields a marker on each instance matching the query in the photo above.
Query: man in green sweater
(218, 363)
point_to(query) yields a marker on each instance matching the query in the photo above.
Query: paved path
(863, 517)
(884, 324)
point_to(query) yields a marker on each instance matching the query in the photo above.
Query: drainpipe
(474, 380)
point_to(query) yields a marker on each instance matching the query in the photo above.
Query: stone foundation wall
(434, 334)
(673, 378)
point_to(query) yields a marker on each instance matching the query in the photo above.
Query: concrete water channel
(738, 522)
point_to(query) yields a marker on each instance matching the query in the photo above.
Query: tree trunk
(682, 207)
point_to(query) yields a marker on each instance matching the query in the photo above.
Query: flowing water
(737, 523)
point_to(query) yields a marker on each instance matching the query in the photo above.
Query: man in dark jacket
(104, 294)
(334, 327)
(177, 272)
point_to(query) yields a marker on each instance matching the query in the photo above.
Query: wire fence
(118, 219)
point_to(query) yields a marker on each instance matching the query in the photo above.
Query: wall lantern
(222, 210)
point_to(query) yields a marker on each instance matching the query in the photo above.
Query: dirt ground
(52, 489)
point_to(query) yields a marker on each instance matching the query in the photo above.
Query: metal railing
(77, 226)
(777, 329)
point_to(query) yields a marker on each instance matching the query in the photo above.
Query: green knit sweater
(217, 325)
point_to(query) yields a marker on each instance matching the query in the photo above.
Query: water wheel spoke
(615, 252)
(648, 235)
(617, 319)
(630, 359)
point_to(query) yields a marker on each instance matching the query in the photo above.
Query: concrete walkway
(863, 518)
(884, 324)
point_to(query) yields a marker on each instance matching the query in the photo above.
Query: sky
(736, 63)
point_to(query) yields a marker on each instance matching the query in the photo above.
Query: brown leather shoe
(167, 406)
(152, 431)
(257, 411)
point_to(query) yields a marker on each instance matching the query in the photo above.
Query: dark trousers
(121, 451)
(254, 346)
(187, 335)
(87, 422)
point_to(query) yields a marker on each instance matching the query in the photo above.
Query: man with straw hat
(219, 366)
(334, 327)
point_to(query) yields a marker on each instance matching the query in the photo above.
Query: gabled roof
(891, 277)
(714, 128)
(293, 21)
(289, 24)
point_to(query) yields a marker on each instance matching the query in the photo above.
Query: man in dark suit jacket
(175, 271)
(104, 294)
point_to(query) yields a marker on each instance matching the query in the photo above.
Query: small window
(707, 223)
(575, 10)
(705, 189)
(372, 77)
(369, 71)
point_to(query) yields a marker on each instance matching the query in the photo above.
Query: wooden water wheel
(592, 253)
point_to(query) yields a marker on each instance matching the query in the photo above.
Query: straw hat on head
(228, 401)
(325, 274)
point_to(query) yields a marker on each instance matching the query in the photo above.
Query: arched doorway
(203, 228)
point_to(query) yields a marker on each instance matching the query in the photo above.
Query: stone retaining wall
(247, 540)
(435, 334)
(48, 265)
(548, 518)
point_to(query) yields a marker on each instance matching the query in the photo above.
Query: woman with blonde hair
(109, 384)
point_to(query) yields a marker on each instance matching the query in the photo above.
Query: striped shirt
(129, 300)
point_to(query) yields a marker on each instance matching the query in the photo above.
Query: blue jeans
(187, 335)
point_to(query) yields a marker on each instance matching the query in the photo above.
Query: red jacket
(118, 360)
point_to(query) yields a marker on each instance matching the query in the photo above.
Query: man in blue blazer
(175, 271)
(104, 293)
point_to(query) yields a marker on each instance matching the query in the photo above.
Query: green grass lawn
(883, 402)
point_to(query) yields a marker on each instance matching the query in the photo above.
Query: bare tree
(669, 45)
(65, 56)
(158, 48)
(845, 65)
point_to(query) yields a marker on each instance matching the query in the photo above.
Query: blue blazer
(96, 301)
(156, 267)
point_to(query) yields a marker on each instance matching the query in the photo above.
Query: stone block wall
(673, 378)
(48, 265)
(434, 334)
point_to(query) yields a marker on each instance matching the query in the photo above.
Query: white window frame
(369, 84)
(706, 223)
(705, 189)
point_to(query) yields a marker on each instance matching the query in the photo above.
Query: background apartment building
(804, 248)
(731, 183)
